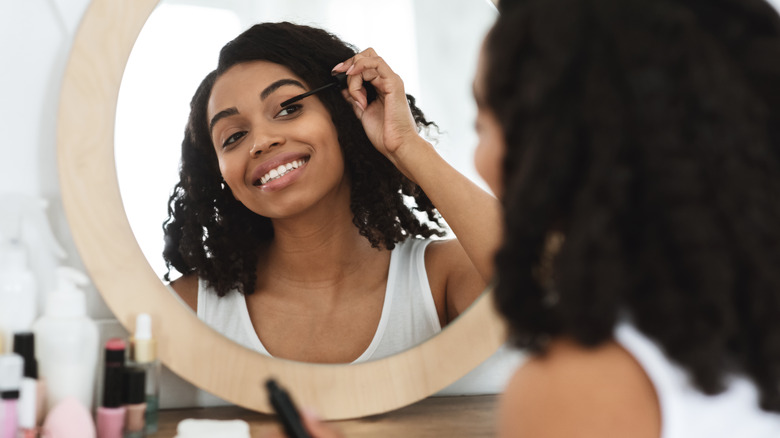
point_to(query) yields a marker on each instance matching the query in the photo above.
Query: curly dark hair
(211, 233)
(645, 133)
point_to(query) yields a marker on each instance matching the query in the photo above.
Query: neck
(324, 250)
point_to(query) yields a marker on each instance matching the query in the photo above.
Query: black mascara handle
(340, 79)
(285, 409)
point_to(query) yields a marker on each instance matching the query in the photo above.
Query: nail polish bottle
(134, 402)
(143, 354)
(111, 413)
(10, 381)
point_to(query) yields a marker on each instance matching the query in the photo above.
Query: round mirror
(130, 285)
(180, 42)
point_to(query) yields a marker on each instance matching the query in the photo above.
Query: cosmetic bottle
(24, 221)
(134, 397)
(32, 397)
(18, 291)
(66, 342)
(111, 413)
(10, 380)
(143, 354)
(68, 419)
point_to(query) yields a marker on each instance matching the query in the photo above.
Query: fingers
(316, 427)
(369, 67)
(358, 110)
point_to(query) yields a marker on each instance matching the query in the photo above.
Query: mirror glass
(432, 44)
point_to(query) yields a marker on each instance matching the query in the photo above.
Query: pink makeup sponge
(69, 419)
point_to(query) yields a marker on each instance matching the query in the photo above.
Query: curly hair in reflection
(209, 232)
(645, 134)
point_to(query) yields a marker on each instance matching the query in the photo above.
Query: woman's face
(277, 161)
(489, 154)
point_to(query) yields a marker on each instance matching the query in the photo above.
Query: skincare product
(24, 222)
(66, 342)
(135, 402)
(10, 380)
(31, 400)
(111, 413)
(69, 419)
(203, 428)
(18, 291)
(143, 354)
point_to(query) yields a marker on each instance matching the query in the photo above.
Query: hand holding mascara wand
(339, 80)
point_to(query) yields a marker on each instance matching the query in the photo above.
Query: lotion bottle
(18, 291)
(67, 342)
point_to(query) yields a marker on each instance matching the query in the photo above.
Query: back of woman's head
(209, 232)
(640, 134)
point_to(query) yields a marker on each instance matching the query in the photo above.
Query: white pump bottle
(66, 342)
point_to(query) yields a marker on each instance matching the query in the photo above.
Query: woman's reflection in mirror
(312, 231)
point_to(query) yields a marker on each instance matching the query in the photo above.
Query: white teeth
(281, 170)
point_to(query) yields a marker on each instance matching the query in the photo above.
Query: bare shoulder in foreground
(573, 391)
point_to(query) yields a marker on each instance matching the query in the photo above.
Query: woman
(633, 145)
(641, 189)
(292, 224)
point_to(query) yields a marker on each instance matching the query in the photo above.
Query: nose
(263, 143)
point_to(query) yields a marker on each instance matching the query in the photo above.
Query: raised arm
(472, 214)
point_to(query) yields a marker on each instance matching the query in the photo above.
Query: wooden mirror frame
(190, 348)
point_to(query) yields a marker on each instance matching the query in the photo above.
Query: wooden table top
(455, 417)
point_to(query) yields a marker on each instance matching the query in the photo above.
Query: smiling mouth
(280, 171)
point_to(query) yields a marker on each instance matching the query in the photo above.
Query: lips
(277, 167)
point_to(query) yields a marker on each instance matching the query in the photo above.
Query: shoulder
(455, 281)
(583, 392)
(186, 287)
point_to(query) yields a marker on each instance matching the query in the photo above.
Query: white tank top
(408, 317)
(687, 412)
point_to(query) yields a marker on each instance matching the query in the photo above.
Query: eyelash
(233, 138)
(294, 107)
(238, 135)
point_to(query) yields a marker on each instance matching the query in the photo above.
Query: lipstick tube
(33, 391)
(111, 414)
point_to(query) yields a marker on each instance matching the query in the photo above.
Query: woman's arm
(472, 214)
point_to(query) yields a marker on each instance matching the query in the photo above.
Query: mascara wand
(339, 80)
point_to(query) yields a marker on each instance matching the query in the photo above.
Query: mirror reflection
(326, 230)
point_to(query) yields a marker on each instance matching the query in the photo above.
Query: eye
(289, 110)
(233, 138)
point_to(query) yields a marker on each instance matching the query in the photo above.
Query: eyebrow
(221, 115)
(278, 84)
(263, 95)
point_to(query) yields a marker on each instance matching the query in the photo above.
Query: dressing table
(454, 417)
